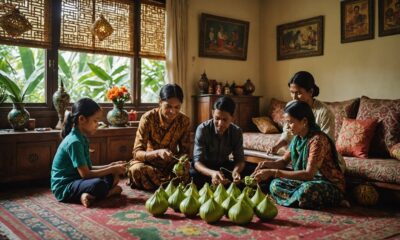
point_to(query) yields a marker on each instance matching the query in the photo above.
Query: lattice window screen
(77, 17)
(38, 13)
(152, 35)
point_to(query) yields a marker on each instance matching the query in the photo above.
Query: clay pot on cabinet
(238, 90)
(249, 87)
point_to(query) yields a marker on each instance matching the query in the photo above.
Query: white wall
(221, 69)
(345, 71)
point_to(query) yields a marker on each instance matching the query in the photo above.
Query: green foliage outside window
(91, 75)
(83, 74)
(24, 66)
(153, 73)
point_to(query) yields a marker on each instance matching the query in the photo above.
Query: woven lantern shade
(88, 31)
(101, 28)
(14, 22)
(26, 23)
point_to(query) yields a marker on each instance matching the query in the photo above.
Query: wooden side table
(247, 107)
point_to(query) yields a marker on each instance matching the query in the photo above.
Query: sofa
(373, 158)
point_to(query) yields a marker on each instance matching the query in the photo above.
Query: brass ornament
(14, 22)
(101, 28)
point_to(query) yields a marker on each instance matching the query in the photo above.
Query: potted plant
(19, 116)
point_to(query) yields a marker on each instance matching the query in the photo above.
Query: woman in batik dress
(162, 136)
(316, 179)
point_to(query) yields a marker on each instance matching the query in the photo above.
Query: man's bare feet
(87, 199)
(116, 190)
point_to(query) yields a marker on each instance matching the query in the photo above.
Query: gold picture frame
(222, 37)
(389, 17)
(304, 38)
(356, 20)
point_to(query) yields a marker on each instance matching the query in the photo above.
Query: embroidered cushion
(265, 125)
(387, 112)
(355, 137)
(343, 109)
(259, 141)
(395, 151)
(276, 112)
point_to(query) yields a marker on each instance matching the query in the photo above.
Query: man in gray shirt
(215, 140)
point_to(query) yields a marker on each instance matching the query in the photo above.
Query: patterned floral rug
(35, 214)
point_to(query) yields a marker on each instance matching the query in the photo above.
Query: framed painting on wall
(222, 37)
(356, 20)
(304, 38)
(389, 17)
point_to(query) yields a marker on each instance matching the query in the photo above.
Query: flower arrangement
(118, 95)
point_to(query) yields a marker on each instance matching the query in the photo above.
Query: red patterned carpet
(33, 213)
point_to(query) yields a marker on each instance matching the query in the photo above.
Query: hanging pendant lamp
(14, 22)
(101, 28)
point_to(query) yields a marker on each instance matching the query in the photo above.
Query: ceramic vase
(248, 87)
(60, 102)
(117, 117)
(203, 84)
(18, 117)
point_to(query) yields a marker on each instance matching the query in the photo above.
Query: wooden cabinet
(97, 149)
(247, 107)
(119, 148)
(32, 159)
(5, 157)
(29, 155)
(26, 155)
(114, 144)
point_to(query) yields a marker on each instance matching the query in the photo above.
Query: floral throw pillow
(395, 151)
(341, 110)
(387, 112)
(265, 125)
(276, 112)
(355, 137)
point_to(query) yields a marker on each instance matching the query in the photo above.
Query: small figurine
(210, 89)
(227, 89)
(203, 83)
(218, 89)
(211, 86)
(233, 85)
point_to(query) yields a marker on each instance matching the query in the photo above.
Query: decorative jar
(60, 102)
(118, 116)
(203, 83)
(248, 87)
(18, 117)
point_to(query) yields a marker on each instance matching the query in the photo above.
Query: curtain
(176, 59)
